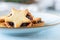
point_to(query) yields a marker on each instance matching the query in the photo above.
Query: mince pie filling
(10, 15)
(34, 22)
(29, 17)
(24, 24)
(11, 24)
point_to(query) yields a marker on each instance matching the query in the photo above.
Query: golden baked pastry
(37, 22)
(20, 18)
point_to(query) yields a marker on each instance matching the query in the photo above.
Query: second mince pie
(20, 18)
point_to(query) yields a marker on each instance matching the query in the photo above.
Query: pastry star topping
(18, 17)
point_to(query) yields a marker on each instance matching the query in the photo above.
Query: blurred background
(32, 5)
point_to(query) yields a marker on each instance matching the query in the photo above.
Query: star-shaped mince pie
(20, 18)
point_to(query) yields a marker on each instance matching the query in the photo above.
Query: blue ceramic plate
(48, 18)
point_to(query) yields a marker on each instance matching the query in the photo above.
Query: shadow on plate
(22, 34)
